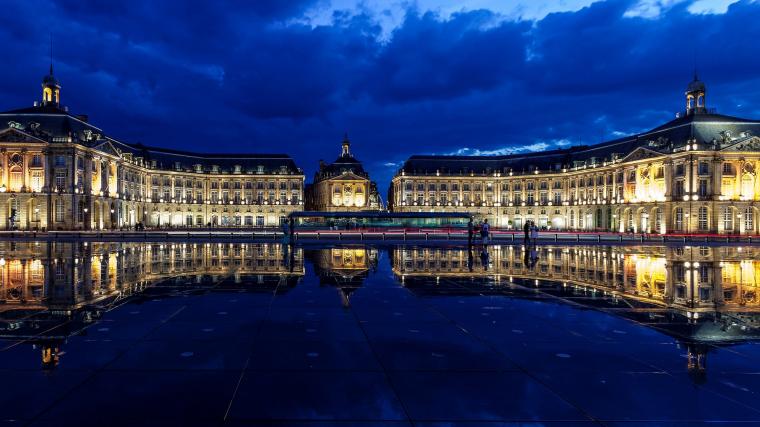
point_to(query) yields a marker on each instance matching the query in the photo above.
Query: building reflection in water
(700, 295)
(50, 291)
(703, 296)
(345, 268)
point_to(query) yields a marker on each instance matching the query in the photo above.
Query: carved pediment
(108, 148)
(749, 144)
(13, 134)
(348, 176)
(641, 153)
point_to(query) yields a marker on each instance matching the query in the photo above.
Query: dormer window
(260, 169)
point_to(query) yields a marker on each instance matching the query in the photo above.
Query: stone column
(667, 167)
(717, 178)
(25, 165)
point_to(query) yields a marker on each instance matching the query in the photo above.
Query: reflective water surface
(243, 333)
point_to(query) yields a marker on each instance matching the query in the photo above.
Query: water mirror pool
(258, 333)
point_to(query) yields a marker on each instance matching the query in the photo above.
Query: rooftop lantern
(695, 97)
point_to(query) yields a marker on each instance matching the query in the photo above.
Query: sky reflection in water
(261, 331)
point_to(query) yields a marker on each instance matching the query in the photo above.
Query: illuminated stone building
(343, 185)
(690, 279)
(695, 174)
(345, 268)
(59, 172)
(50, 290)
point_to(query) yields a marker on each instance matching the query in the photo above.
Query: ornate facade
(343, 186)
(59, 172)
(695, 174)
(689, 279)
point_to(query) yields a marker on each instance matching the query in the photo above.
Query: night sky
(400, 77)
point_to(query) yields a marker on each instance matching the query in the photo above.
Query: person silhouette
(533, 257)
(484, 258)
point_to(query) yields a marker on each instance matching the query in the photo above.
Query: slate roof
(344, 163)
(57, 125)
(713, 130)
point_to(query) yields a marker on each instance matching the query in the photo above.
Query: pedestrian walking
(485, 231)
(526, 229)
(534, 234)
(470, 231)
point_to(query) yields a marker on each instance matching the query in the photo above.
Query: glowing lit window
(702, 218)
(749, 219)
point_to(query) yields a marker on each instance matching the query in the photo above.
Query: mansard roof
(56, 125)
(710, 131)
(344, 164)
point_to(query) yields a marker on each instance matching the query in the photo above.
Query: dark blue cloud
(253, 76)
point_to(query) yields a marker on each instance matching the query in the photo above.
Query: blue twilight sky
(401, 77)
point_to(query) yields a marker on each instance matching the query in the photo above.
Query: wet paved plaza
(261, 334)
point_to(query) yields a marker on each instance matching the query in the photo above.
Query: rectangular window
(60, 179)
(678, 189)
(702, 188)
(59, 210)
(679, 219)
(702, 218)
(749, 220)
(704, 168)
(728, 219)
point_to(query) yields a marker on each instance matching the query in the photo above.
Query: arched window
(748, 186)
(658, 220)
(16, 178)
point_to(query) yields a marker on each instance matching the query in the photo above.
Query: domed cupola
(695, 97)
(345, 147)
(51, 89)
